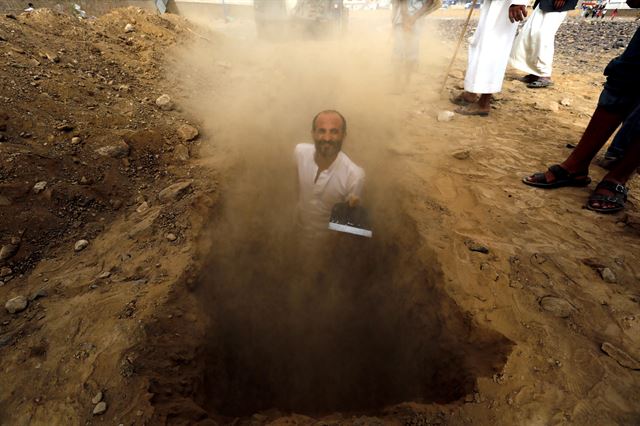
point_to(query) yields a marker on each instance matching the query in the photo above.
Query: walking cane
(455, 53)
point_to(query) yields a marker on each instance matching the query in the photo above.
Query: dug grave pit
(353, 325)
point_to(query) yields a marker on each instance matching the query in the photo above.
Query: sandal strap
(614, 187)
(559, 172)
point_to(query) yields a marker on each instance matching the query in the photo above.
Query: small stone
(8, 251)
(174, 192)
(566, 102)
(81, 245)
(446, 115)
(623, 358)
(171, 237)
(64, 127)
(102, 276)
(75, 140)
(100, 408)
(473, 246)
(462, 155)
(558, 307)
(181, 153)
(38, 294)
(39, 187)
(52, 57)
(187, 132)
(98, 398)
(15, 305)
(5, 271)
(129, 28)
(118, 150)
(84, 181)
(607, 275)
(143, 207)
(164, 102)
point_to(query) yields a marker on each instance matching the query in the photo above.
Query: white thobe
(490, 47)
(318, 196)
(533, 49)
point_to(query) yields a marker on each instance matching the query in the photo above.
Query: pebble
(566, 102)
(4, 271)
(473, 246)
(38, 294)
(171, 237)
(181, 153)
(129, 28)
(117, 150)
(75, 140)
(103, 275)
(462, 155)
(164, 102)
(446, 115)
(81, 245)
(100, 408)
(174, 192)
(98, 398)
(607, 275)
(15, 305)
(187, 132)
(143, 207)
(39, 187)
(558, 307)
(8, 251)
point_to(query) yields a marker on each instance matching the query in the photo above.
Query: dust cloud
(353, 324)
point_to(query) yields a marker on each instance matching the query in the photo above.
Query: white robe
(490, 47)
(533, 49)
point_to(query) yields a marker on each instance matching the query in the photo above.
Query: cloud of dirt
(355, 324)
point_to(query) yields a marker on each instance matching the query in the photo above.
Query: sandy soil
(230, 319)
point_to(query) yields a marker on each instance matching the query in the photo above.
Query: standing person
(326, 175)
(533, 49)
(489, 53)
(619, 103)
(406, 18)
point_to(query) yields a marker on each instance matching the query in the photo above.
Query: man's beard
(328, 149)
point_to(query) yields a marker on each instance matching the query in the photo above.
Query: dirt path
(235, 322)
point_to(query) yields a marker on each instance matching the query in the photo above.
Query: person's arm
(518, 10)
(356, 186)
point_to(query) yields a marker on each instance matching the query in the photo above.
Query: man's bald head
(330, 112)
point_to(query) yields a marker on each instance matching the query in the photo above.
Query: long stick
(455, 53)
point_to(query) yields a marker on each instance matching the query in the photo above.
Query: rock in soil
(623, 358)
(80, 245)
(98, 398)
(558, 307)
(181, 153)
(15, 305)
(461, 155)
(8, 251)
(174, 192)
(117, 150)
(39, 187)
(164, 102)
(187, 132)
(100, 408)
(607, 275)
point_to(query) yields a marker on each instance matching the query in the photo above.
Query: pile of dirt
(79, 119)
(96, 169)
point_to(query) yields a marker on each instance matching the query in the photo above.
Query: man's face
(328, 135)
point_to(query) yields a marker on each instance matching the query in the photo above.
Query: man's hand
(353, 200)
(517, 13)
(558, 4)
(633, 3)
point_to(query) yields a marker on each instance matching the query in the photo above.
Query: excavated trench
(351, 325)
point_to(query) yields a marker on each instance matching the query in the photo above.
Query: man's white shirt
(334, 185)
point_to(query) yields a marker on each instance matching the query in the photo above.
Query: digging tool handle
(455, 53)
